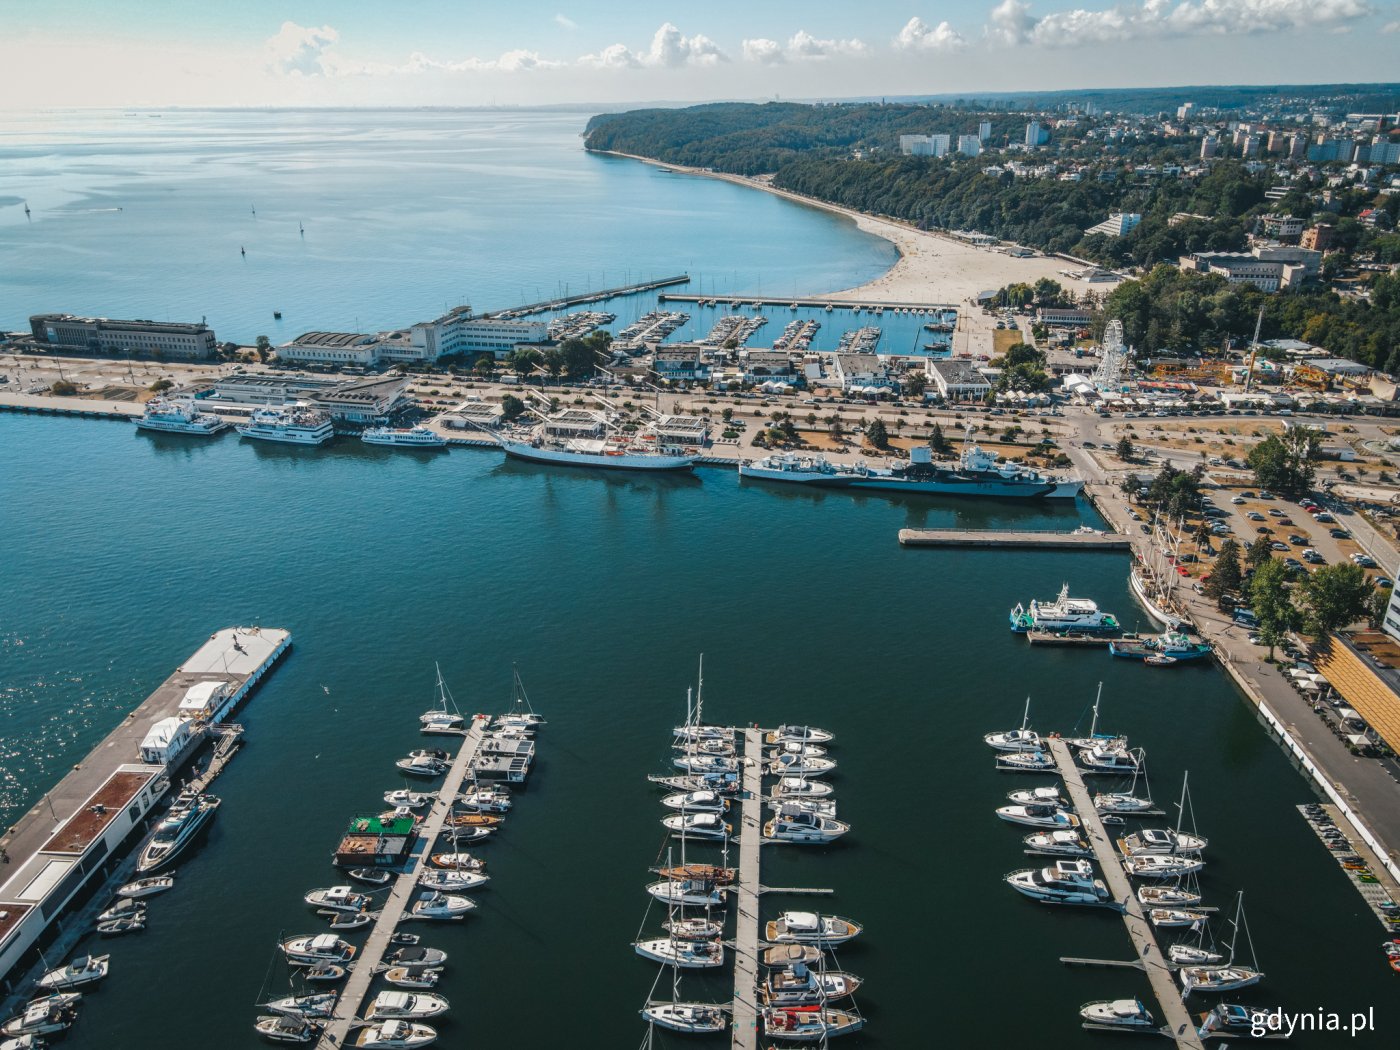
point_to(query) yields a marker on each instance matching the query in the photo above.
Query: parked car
(1339, 534)
(1264, 494)
(1275, 512)
(1325, 517)
(1264, 530)
(1276, 545)
(1254, 515)
(1237, 500)
(1384, 581)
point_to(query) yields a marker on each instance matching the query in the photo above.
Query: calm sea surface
(124, 550)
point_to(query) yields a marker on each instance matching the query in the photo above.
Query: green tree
(1377, 605)
(160, 386)
(485, 365)
(938, 441)
(63, 388)
(581, 354)
(1225, 575)
(1335, 596)
(1125, 449)
(262, 346)
(512, 407)
(877, 433)
(523, 360)
(1260, 552)
(915, 382)
(1272, 604)
(834, 425)
(727, 414)
(552, 360)
(1285, 463)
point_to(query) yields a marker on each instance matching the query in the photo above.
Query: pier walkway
(806, 302)
(401, 896)
(745, 1024)
(565, 301)
(1082, 541)
(1179, 1024)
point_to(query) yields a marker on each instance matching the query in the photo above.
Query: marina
(874, 306)
(746, 939)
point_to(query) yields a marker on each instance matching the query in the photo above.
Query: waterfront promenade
(746, 944)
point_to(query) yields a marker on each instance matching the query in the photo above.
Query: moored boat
(395, 1035)
(1039, 816)
(147, 887)
(405, 1007)
(319, 1004)
(288, 1028)
(809, 1024)
(403, 437)
(84, 970)
(1118, 1013)
(339, 898)
(1063, 614)
(697, 826)
(317, 948)
(796, 824)
(178, 415)
(805, 927)
(1066, 882)
(187, 816)
(798, 984)
(441, 907)
(685, 953)
(52, 1013)
(693, 1018)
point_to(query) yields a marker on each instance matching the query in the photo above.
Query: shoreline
(931, 267)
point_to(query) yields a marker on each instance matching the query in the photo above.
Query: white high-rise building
(969, 145)
(1036, 135)
(984, 130)
(924, 145)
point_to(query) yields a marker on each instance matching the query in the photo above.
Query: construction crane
(1253, 351)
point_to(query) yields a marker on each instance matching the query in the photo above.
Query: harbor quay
(74, 839)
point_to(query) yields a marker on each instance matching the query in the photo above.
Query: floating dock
(746, 946)
(1180, 1026)
(1099, 641)
(804, 302)
(1075, 541)
(563, 302)
(401, 896)
(74, 832)
(1379, 887)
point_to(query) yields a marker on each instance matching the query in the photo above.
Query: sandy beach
(932, 267)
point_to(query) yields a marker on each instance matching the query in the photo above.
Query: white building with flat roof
(460, 331)
(103, 335)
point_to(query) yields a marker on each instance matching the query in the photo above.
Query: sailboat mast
(700, 692)
(1026, 715)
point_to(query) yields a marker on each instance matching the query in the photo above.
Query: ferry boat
(403, 437)
(178, 416)
(187, 816)
(977, 472)
(1062, 614)
(290, 426)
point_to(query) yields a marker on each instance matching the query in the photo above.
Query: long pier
(745, 1008)
(1076, 541)
(1179, 1024)
(563, 302)
(808, 303)
(401, 895)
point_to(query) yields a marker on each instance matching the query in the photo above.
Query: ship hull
(623, 461)
(1139, 589)
(174, 427)
(284, 438)
(949, 484)
(422, 446)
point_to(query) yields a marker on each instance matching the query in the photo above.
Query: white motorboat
(1117, 802)
(694, 929)
(800, 766)
(1166, 897)
(696, 802)
(371, 876)
(1118, 1013)
(1160, 840)
(1041, 796)
(1025, 762)
(325, 971)
(457, 862)
(292, 425)
(423, 763)
(177, 830)
(439, 719)
(794, 824)
(806, 927)
(466, 835)
(395, 1035)
(697, 825)
(796, 747)
(147, 887)
(316, 948)
(1100, 759)
(1162, 865)
(410, 977)
(809, 1024)
(408, 799)
(485, 799)
(727, 784)
(696, 733)
(686, 953)
(52, 1013)
(799, 734)
(405, 1007)
(447, 881)
(1051, 818)
(84, 970)
(1059, 843)
(441, 907)
(724, 748)
(418, 958)
(1175, 918)
(288, 1028)
(344, 920)
(339, 898)
(693, 1018)
(1067, 882)
(123, 908)
(801, 787)
(23, 1042)
(320, 1004)
(687, 891)
(821, 807)
(798, 984)
(696, 763)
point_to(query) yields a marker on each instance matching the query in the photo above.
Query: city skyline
(323, 54)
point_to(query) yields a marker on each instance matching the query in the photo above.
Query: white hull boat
(1192, 955)
(799, 734)
(1041, 796)
(1217, 978)
(796, 825)
(1166, 897)
(800, 985)
(821, 807)
(452, 881)
(685, 891)
(85, 970)
(697, 826)
(805, 927)
(52, 1013)
(1067, 882)
(1058, 843)
(339, 898)
(408, 799)
(319, 1005)
(409, 977)
(441, 907)
(686, 954)
(693, 929)
(1160, 840)
(1174, 918)
(457, 862)
(1118, 1013)
(1114, 802)
(696, 802)
(796, 747)
(1049, 818)
(1015, 740)
(1025, 762)
(147, 887)
(288, 1028)
(801, 787)
(693, 1018)
(402, 1006)
(805, 1024)
(800, 766)
(318, 948)
(1161, 866)
(395, 1035)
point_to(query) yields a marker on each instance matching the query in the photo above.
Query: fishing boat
(697, 826)
(291, 425)
(317, 948)
(439, 719)
(408, 799)
(1062, 614)
(395, 1035)
(1025, 762)
(686, 953)
(405, 1007)
(441, 907)
(1227, 975)
(798, 825)
(84, 970)
(178, 415)
(187, 816)
(1058, 843)
(52, 1013)
(805, 927)
(1049, 817)
(1162, 865)
(1118, 1013)
(800, 766)
(371, 876)
(1066, 882)
(696, 802)
(403, 437)
(809, 1024)
(410, 977)
(457, 862)
(316, 1005)
(340, 899)
(1169, 918)
(452, 881)
(801, 787)
(1041, 796)
(798, 984)
(798, 734)
(288, 1028)
(424, 763)
(147, 887)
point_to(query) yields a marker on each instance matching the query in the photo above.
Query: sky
(126, 53)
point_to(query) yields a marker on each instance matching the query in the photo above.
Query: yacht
(478, 799)
(52, 1013)
(288, 1028)
(1062, 614)
(727, 784)
(693, 1018)
(688, 954)
(1060, 843)
(403, 437)
(124, 908)
(1067, 882)
(1015, 740)
(809, 1024)
(1050, 817)
(799, 734)
(694, 763)
(1217, 978)
(796, 747)
(1041, 796)
(697, 825)
(805, 927)
(693, 929)
(473, 820)
(1167, 897)
(1234, 1019)
(86, 969)
(723, 748)
(798, 984)
(294, 425)
(697, 733)
(405, 1007)
(1162, 865)
(424, 763)
(317, 948)
(1160, 840)
(801, 787)
(439, 719)
(703, 872)
(320, 1004)
(441, 907)
(457, 862)
(1193, 955)
(147, 887)
(410, 799)
(416, 958)
(800, 766)
(344, 920)
(187, 816)
(687, 891)
(394, 1035)
(452, 881)
(1110, 760)
(1175, 918)
(324, 971)
(1025, 762)
(133, 923)
(412, 977)
(178, 416)
(467, 834)
(821, 807)
(780, 955)
(339, 898)
(794, 824)
(1116, 802)
(371, 876)
(696, 802)
(1118, 1013)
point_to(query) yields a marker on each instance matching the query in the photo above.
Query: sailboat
(1022, 739)
(676, 1015)
(1112, 803)
(1165, 840)
(1229, 975)
(439, 719)
(1095, 738)
(520, 716)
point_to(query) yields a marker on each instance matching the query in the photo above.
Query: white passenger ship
(293, 426)
(403, 437)
(178, 416)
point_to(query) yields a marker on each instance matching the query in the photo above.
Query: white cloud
(670, 49)
(1012, 23)
(763, 50)
(565, 22)
(1391, 28)
(299, 50)
(516, 61)
(918, 35)
(801, 46)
